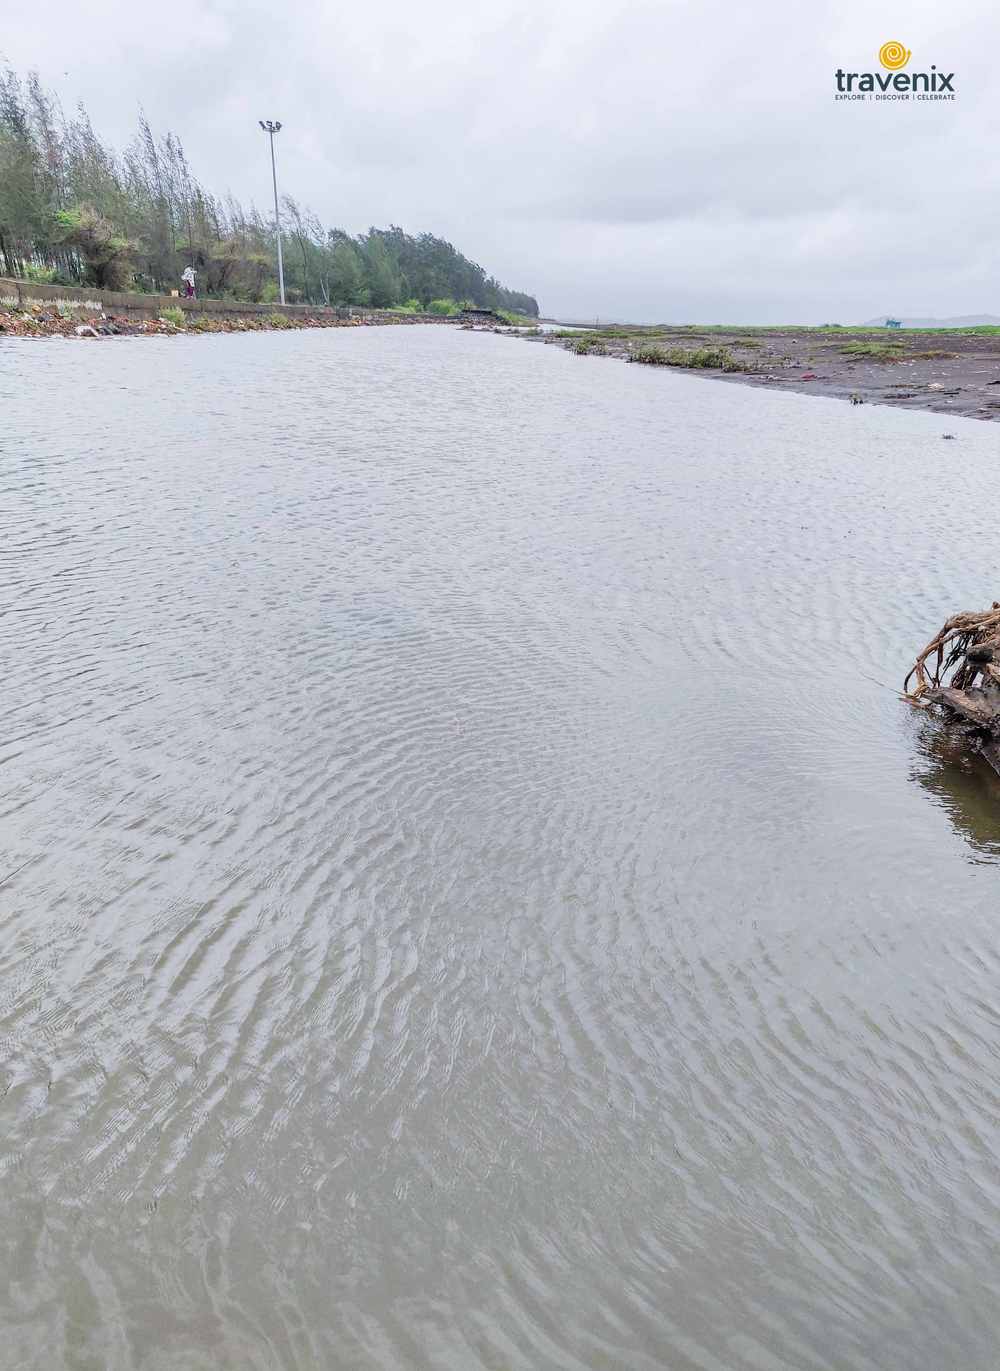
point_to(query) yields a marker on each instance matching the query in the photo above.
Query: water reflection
(962, 783)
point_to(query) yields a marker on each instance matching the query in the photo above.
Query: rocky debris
(71, 322)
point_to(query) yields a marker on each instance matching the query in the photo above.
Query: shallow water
(470, 896)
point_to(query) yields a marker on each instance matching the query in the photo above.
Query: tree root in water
(959, 671)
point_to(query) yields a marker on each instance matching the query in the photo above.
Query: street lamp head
(270, 125)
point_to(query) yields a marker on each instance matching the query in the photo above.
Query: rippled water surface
(470, 898)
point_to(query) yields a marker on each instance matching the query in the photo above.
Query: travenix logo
(895, 83)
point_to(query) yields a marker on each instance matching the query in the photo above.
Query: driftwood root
(959, 670)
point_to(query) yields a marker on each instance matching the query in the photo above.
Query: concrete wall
(27, 293)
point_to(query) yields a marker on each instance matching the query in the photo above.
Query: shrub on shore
(874, 352)
(715, 359)
(516, 320)
(41, 276)
(652, 355)
(174, 315)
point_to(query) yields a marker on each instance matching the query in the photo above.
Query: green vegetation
(719, 359)
(588, 345)
(875, 352)
(76, 212)
(443, 306)
(653, 355)
(101, 250)
(42, 276)
(174, 316)
(516, 320)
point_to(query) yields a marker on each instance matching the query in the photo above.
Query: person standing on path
(187, 276)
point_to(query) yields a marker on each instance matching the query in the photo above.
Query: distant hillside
(957, 321)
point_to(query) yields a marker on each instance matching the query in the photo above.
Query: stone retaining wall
(27, 293)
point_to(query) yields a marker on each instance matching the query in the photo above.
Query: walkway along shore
(28, 310)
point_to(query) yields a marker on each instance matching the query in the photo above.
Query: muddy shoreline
(950, 373)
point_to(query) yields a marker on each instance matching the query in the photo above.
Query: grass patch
(874, 352)
(931, 354)
(174, 315)
(652, 355)
(517, 320)
(714, 359)
(593, 347)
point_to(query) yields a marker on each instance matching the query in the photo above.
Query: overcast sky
(646, 161)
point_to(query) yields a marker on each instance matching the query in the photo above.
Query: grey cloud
(646, 160)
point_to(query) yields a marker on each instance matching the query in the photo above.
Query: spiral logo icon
(893, 56)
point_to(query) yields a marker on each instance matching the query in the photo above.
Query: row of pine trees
(73, 211)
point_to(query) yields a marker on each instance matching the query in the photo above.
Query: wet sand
(947, 372)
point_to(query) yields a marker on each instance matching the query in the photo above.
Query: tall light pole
(271, 127)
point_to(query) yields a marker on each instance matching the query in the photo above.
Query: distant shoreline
(944, 371)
